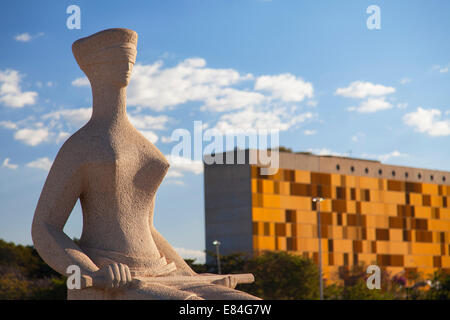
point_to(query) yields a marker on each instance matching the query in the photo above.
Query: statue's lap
(157, 291)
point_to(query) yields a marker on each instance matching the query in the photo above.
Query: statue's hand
(227, 281)
(114, 275)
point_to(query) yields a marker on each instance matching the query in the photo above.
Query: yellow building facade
(392, 216)
(400, 225)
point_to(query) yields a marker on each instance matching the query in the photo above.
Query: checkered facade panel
(401, 225)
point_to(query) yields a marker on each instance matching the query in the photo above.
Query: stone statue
(115, 172)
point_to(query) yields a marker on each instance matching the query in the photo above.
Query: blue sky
(311, 69)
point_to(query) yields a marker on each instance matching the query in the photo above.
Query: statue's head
(107, 56)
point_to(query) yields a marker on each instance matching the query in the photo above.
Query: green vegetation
(279, 275)
(24, 275)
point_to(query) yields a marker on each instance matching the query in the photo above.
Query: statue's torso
(121, 174)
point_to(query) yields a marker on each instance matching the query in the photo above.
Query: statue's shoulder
(90, 146)
(81, 147)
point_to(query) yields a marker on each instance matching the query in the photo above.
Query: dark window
(382, 234)
(395, 222)
(301, 189)
(266, 228)
(406, 174)
(424, 236)
(367, 170)
(357, 246)
(355, 259)
(443, 178)
(419, 176)
(431, 177)
(367, 195)
(255, 228)
(290, 215)
(352, 168)
(353, 193)
(289, 244)
(340, 193)
(289, 175)
(338, 167)
(330, 259)
(380, 171)
(393, 173)
(280, 229)
(406, 235)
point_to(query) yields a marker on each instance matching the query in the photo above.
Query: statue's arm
(59, 195)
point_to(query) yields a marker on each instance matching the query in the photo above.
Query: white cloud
(52, 126)
(285, 87)
(81, 82)
(393, 154)
(361, 90)
(7, 164)
(32, 137)
(23, 37)
(251, 121)
(312, 103)
(198, 255)
(405, 80)
(76, 117)
(172, 173)
(428, 121)
(8, 125)
(441, 69)
(157, 88)
(226, 99)
(381, 157)
(174, 182)
(327, 152)
(145, 122)
(41, 163)
(62, 136)
(11, 94)
(309, 132)
(165, 139)
(149, 135)
(372, 105)
(385, 157)
(402, 105)
(26, 37)
(181, 164)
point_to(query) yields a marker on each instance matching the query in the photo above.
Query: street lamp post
(318, 200)
(216, 243)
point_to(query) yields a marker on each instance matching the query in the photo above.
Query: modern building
(372, 213)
